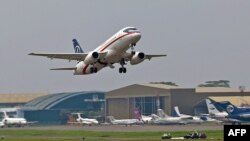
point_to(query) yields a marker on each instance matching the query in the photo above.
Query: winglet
(77, 47)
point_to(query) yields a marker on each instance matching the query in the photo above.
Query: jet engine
(137, 58)
(91, 58)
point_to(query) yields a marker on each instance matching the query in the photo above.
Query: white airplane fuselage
(115, 47)
(19, 121)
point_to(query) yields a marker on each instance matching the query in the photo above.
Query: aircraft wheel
(95, 70)
(91, 70)
(120, 70)
(124, 70)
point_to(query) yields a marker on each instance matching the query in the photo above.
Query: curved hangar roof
(52, 100)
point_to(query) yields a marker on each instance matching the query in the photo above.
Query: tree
(165, 83)
(219, 83)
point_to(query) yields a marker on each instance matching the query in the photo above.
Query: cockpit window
(131, 30)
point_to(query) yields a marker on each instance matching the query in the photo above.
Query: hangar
(53, 108)
(121, 102)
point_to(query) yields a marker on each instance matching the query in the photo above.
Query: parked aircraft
(235, 114)
(112, 51)
(1, 124)
(139, 116)
(162, 118)
(124, 121)
(187, 118)
(214, 112)
(146, 119)
(86, 121)
(12, 121)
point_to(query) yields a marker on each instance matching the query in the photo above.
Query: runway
(122, 128)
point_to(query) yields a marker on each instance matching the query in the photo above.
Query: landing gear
(93, 70)
(122, 69)
(133, 44)
(132, 48)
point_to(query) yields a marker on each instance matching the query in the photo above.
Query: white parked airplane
(163, 118)
(124, 121)
(87, 121)
(146, 119)
(110, 52)
(12, 121)
(187, 118)
(1, 124)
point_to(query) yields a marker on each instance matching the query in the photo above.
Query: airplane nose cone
(137, 36)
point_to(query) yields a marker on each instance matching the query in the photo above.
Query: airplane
(1, 124)
(86, 121)
(124, 121)
(139, 116)
(214, 113)
(12, 121)
(162, 118)
(146, 119)
(113, 50)
(187, 118)
(235, 114)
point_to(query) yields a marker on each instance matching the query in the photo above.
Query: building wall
(120, 103)
(118, 107)
(185, 99)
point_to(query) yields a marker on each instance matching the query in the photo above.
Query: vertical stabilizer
(176, 112)
(211, 108)
(77, 46)
(161, 113)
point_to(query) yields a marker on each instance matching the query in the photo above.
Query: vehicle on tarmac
(166, 136)
(195, 135)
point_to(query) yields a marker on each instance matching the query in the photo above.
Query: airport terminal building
(121, 102)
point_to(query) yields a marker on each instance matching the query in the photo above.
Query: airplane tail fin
(228, 107)
(161, 113)
(77, 46)
(176, 112)
(211, 107)
(110, 119)
(155, 117)
(5, 114)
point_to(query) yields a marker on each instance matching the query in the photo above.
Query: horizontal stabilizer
(73, 68)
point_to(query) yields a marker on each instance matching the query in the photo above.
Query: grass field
(53, 135)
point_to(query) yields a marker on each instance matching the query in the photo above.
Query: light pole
(242, 89)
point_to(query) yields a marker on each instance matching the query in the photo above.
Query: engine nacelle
(137, 58)
(91, 58)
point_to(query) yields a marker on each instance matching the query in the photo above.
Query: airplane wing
(151, 56)
(67, 56)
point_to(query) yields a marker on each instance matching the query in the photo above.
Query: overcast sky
(204, 40)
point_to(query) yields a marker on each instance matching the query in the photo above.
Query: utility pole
(242, 89)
